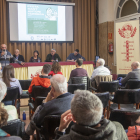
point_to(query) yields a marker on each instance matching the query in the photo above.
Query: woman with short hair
(36, 57)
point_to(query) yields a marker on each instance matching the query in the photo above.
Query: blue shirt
(72, 56)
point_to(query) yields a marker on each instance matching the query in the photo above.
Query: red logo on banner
(38, 72)
(127, 31)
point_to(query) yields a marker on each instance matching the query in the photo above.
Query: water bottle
(56, 59)
(24, 115)
(38, 60)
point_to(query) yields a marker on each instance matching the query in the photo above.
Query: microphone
(5, 54)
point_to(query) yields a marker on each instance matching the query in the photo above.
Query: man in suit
(134, 74)
(17, 56)
(53, 56)
(56, 103)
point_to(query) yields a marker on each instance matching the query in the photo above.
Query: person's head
(3, 90)
(135, 65)
(16, 52)
(86, 108)
(53, 51)
(3, 116)
(7, 74)
(100, 62)
(46, 69)
(36, 53)
(3, 47)
(76, 52)
(56, 67)
(58, 85)
(78, 62)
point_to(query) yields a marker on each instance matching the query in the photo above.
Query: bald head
(59, 83)
(135, 65)
(3, 47)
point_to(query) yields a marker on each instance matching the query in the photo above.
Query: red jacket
(52, 73)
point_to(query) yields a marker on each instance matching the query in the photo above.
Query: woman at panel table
(9, 79)
(56, 69)
(36, 57)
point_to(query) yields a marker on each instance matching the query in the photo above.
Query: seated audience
(56, 103)
(134, 74)
(36, 57)
(9, 79)
(53, 56)
(56, 69)
(86, 112)
(17, 56)
(11, 110)
(100, 70)
(42, 80)
(79, 71)
(74, 56)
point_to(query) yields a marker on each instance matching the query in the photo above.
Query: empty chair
(132, 84)
(14, 96)
(73, 87)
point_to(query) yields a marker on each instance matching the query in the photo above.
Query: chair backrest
(108, 86)
(73, 87)
(127, 96)
(80, 80)
(104, 97)
(49, 125)
(12, 94)
(126, 118)
(14, 127)
(102, 78)
(25, 84)
(40, 91)
(133, 84)
(38, 101)
(121, 75)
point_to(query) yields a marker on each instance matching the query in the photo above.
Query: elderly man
(11, 110)
(100, 70)
(53, 56)
(74, 56)
(134, 74)
(5, 56)
(17, 56)
(86, 112)
(57, 102)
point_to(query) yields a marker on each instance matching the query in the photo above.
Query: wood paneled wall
(84, 33)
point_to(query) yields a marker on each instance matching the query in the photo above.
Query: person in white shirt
(11, 110)
(100, 70)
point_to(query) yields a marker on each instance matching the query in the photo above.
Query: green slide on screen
(42, 27)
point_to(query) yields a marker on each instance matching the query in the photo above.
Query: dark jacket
(20, 58)
(49, 57)
(54, 107)
(135, 74)
(107, 131)
(35, 60)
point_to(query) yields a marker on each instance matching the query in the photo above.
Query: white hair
(53, 50)
(86, 108)
(59, 83)
(101, 61)
(4, 44)
(17, 50)
(3, 90)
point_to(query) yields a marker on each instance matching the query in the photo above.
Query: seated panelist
(74, 56)
(36, 57)
(17, 56)
(53, 56)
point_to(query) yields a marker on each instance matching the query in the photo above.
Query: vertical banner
(127, 45)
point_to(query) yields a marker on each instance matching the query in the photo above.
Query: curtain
(84, 33)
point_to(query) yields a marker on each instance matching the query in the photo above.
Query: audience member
(86, 112)
(5, 57)
(53, 56)
(42, 80)
(74, 56)
(36, 57)
(134, 74)
(79, 71)
(17, 56)
(11, 110)
(56, 103)
(56, 69)
(9, 79)
(100, 70)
